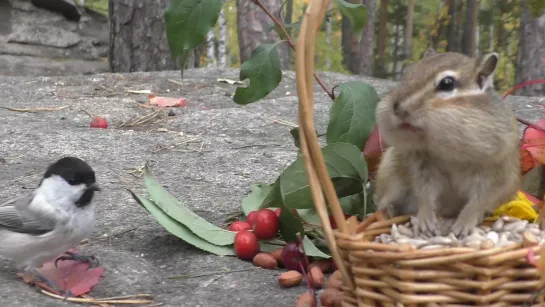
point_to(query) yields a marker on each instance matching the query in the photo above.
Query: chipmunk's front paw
(427, 222)
(463, 227)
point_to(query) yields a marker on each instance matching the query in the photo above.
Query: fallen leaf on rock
(161, 101)
(69, 275)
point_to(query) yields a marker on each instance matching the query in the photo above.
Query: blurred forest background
(397, 33)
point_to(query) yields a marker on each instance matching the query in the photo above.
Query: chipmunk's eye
(446, 84)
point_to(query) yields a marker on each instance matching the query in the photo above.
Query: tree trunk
(211, 48)
(491, 38)
(451, 32)
(367, 43)
(395, 52)
(350, 45)
(222, 41)
(531, 52)
(380, 63)
(470, 24)
(407, 43)
(329, 31)
(288, 20)
(138, 39)
(253, 29)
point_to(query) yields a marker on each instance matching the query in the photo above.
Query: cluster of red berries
(259, 225)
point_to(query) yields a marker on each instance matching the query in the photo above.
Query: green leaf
(345, 165)
(289, 225)
(253, 200)
(188, 22)
(353, 204)
(263, 70)
(312, 250)
(267, 247)
(184, 215)
(179, 230)
(295, 135)
(352, 115)
(357, 13)
(309, 216)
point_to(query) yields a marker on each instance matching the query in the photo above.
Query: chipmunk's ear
(486, 67)
(429, 52)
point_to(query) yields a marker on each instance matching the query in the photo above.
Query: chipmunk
(453, 144)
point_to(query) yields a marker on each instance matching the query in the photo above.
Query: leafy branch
(288, 39)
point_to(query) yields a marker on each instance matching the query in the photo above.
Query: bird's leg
(39, 277)
(92, 260)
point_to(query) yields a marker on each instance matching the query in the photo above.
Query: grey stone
(31, 37)
(44, 36)
(236, 146)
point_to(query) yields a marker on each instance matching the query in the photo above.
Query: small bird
(42, 225)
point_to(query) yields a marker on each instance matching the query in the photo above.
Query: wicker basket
(389, 274)
(377, 274)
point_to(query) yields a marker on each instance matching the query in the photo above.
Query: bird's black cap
(75, 171)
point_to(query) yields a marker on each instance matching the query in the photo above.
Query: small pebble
(171, 113)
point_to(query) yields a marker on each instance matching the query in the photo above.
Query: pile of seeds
(505, 231)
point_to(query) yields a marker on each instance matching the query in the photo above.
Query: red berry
(99, 122)
(266, 224)
(292, 257)
(277, 211)
(246, 245)
(250, 219)
(239, 226)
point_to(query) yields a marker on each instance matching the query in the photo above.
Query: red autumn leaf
(162, 102)
(372, 151)
(527, 162)
(533, 147)
(69, 275)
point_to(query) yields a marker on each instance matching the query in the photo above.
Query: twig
(290, 43)
(177, 144)
(210, 273)
(175, 82)
(98, 304)
(255, 145)
(284, 122)
(140, 121)
(102, 301)
(34, 110)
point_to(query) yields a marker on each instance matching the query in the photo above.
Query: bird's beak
(93, 187)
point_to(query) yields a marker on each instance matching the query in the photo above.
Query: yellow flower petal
(521, 207)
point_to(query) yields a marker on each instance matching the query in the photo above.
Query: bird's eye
(446, 84)
(71, 181)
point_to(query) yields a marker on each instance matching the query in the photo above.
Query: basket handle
(319, 181)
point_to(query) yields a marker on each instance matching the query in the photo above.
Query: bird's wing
(14, 217)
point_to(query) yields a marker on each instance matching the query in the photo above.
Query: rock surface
(47, 42)
(233, 147)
